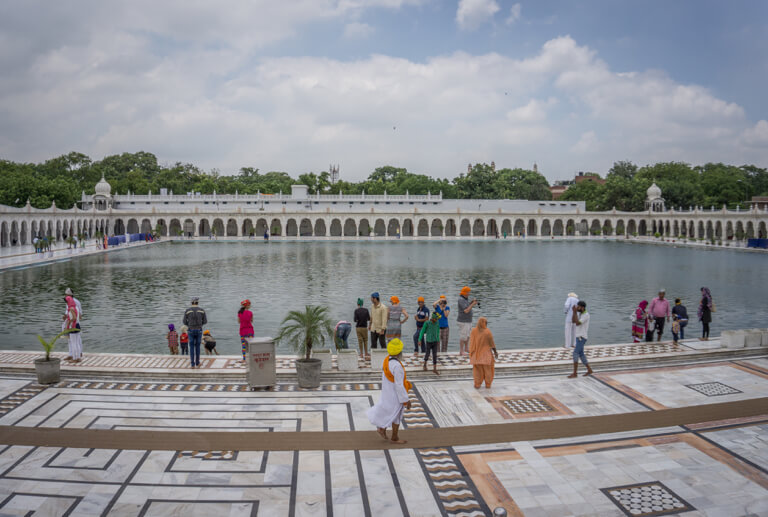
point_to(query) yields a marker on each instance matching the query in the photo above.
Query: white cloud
(588, 143)
(473, 13)
(757, 135)
(357, 30)
(514, 13)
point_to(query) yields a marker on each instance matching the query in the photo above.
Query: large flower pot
(325, 355)
(347, 360)
(308, 372)
(48, 372)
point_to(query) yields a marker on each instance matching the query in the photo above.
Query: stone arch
(642, 227)
(393, 227)
(465, 230)
(519, 228)
(532, 229)
(557, 228)
(162, 228)
(261, 227)
(364, 228)
(546, 228)
(291, 228)
(570, 227)
(275, 227)
(119, 227)
(478, 228)
(204, 228)
(335, 228)
(506, 227)
(607, 227)
(450, 228)
(231, 229)
(305, 228)
(133, 226)
(218, 227)
(4, 235)
(146, 226)
(25, 233)
(436, 228)
(422, 230)
(50, 229)
(667, 229)
(620, 230)
(33, 229)
(379, 228)
(14, 236)
(584, 227)
(320, 229)
(701, 230)
(350, 228)
(174, 229)
(718, 230)
(761, 233)
(247, 228)
(595, 228)
(407, 228)
(492, 228)
(189, 227)
(710, 230)
(729, 230)
(740, 233)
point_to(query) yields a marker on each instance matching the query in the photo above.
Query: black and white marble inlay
(647, 499)
(528, 405)
(713, 389)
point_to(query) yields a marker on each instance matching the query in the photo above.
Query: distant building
(760, 202)
(561, 186)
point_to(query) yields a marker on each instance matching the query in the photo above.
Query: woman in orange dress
(482, 353)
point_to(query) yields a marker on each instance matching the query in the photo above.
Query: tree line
(62, 179)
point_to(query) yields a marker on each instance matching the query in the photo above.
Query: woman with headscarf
(388, 411)
(482, 353)
(395, 320)
(71, 320)
(245, 318)
(640, 322)
(706, 307)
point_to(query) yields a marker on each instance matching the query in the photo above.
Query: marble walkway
(701, 468)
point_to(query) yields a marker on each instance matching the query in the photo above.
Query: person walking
(431, 332)
(378, 324)
(245, 319)
(388, 411)
(581, 320)
(464, 319)
(361, 319)
(396, 316)
(706, 308)
(482, 353)
(639, 322)
(194, 319)
(441, 307)
(570, 328)
(421, 316)
(681, 312)
(660, 311)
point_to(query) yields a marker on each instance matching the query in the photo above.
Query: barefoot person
(581, 320)
(431, 331)
(482, 353)
(394, 400)
(570, 328)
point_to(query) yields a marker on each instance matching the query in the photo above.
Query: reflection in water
(130, 296)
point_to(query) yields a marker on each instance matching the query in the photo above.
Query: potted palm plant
(48, 368)
(302, 330)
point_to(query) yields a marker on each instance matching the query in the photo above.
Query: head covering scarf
(394, 299)
(481, 343)
(375, 295)
(465, 290)
(245, 303)
(171, 327)
(206, 332)
(394, 347)
(706, 299)
(639, 312)
(360, 302)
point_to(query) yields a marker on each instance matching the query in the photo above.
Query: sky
(430, 85)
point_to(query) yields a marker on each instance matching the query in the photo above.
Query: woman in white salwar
(388, 411)
(71, 321)
(570, 328)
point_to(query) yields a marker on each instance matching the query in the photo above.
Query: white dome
(654, 192)
(103, 188)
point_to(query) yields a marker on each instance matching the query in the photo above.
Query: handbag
(714, 309)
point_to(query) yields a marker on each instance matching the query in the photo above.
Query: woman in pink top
(245, 317)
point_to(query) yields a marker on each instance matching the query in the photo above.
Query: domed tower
(102, 198)
(653, 200)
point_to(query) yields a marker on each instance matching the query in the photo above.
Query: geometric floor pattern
(707, 468)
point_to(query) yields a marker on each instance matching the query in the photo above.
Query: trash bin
(261, 363)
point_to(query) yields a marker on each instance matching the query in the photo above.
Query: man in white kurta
(570, 328)
(388, 411)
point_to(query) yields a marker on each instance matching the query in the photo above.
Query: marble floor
(706, 468)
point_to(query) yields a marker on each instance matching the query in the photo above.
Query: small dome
(103, 188)
(654, 192)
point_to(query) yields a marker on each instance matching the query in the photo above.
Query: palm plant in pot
(48, 368)
(302, 330)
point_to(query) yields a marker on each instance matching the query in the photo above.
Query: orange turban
(394, 299)
(465, 290)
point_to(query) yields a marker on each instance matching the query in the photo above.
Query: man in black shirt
(682, 316)
(195, 318)
(362, 316)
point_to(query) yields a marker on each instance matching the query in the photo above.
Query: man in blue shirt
(422, 315)
(441, 307)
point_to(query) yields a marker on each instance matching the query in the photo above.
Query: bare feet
(589, 372)
(425, 367)
(434, 370)
(572, 376)
(68, 358)
(397, 440)
(382, 433)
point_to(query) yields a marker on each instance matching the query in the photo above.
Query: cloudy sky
(430, 85)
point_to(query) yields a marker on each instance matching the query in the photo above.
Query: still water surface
(130, 296)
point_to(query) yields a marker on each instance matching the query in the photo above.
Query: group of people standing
(649, 319)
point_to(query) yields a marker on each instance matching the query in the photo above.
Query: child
(431, 329)
(675, 328)
(209, 343)
(184, 340)
(173, 339)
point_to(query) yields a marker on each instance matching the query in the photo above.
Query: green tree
(623, 169)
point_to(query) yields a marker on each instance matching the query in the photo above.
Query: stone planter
(324, 354)
(732, 339)
(764, 333)
(308, 372)
(346, 360)
(377, 359)
(753, 338)
(48, 372)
